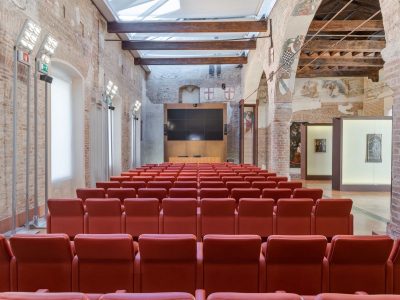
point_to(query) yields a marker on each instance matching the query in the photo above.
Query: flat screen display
(195, 124)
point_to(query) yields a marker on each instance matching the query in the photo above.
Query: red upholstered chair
(267, 174)
(158, 193)
(160, 185)
(41, 261)
(217, 216)
(255, 216)
(237, 185)
(120, 178)
(65, 216)
(207, 173)
(293, 216)
(231, 178)
(290, 185)
(253, 178)
(167, 262)
(164, 178)
(395, 259)
(121, 193)
(254, 296)
(211, 184)
(185, 184)
(314, 194)
(263, 185)
(133, 185)
(238, 193)
(5, 259)
(85, 193)
(149, 296)
(183, 193)
(333, 296)
(141, 216)
(186, 178)
(179, 216)
(296, 264)
(42, 296)
(148, 173)
(142, 178)
(277, 179)
(214, 193)
(129, 174)
(103, 216)
(108, 184)
(209, 178)
(332, 217)
(360, 263)
(103, 263)
(276, 194)
(233, 263)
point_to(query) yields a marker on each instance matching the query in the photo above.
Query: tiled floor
(371, 210)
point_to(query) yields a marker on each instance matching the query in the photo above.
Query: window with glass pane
(61, 129)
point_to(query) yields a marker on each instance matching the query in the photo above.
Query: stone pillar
(391, 56)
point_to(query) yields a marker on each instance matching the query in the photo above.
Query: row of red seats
(305, 265)
(258, 216)
(235, 193)
(187, 296)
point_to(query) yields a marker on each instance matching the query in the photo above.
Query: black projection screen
(195, 124)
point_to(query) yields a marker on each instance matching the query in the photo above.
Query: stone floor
(371, 210)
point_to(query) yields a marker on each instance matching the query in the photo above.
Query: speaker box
(225, 129)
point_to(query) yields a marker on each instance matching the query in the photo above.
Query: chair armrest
(200, 295)
(199, 273)
(361, 293)
(120, 291)
(42, 291)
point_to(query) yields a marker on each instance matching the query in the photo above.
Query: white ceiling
(185, 10)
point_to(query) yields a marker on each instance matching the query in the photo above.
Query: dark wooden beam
(180, 27)
(193, 45)
(372, 73)
(345, 46)
(192, 61)
(335, 61)
(346, 26)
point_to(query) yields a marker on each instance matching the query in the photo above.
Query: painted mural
(306, 7)
(295, 144)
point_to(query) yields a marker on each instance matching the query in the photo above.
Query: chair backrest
(186, 184)
(42, 261)
(290, 185)
(160, 184)
(104, 262)
(253, 178)
(133, 184)
(277, 179)
(121, 193)
(148, 296)
(142, 178)
(333, 217)
(179, 216)
(85, 193)
(359, 263)
(120, 178)
(164, 178)
(296, 264)
(42, 296)
(263, 185)
(395, 259)
(293, 216)
(187, 178)
(141, 216)
(65, 216)
(255, 216)
(276, 194)
(108, 184)
(158, 193)
(168, 262)
(5, 259)
(254, 296)
(214, 193)
(231, 263)
(314, 194)
(211, 184)
(239, 193)
(237, 184)
(183, 193)
(231, 178)
(217, 216)
(103, 216)
(334, 296)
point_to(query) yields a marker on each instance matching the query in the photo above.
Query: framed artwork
(320, 145)
(374, 148)
(295, 144)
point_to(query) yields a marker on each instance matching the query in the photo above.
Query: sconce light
(136, 106)
(27, 40)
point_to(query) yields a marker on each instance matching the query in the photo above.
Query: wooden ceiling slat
(342, 61)
(192, 61)
(346, 45)
(346, 25)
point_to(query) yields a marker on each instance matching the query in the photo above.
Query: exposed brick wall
(81, 34)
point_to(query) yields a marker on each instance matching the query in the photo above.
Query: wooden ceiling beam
(346, 45)
(184, 26)
(373, 73)
(346, 26)
(342, 61)
(192, 61)
(192, 45)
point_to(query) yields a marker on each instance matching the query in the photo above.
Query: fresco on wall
(374, 148)
(248, 124)
(295, 144)
(306, 7)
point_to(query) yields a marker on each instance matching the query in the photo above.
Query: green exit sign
(44, 68)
